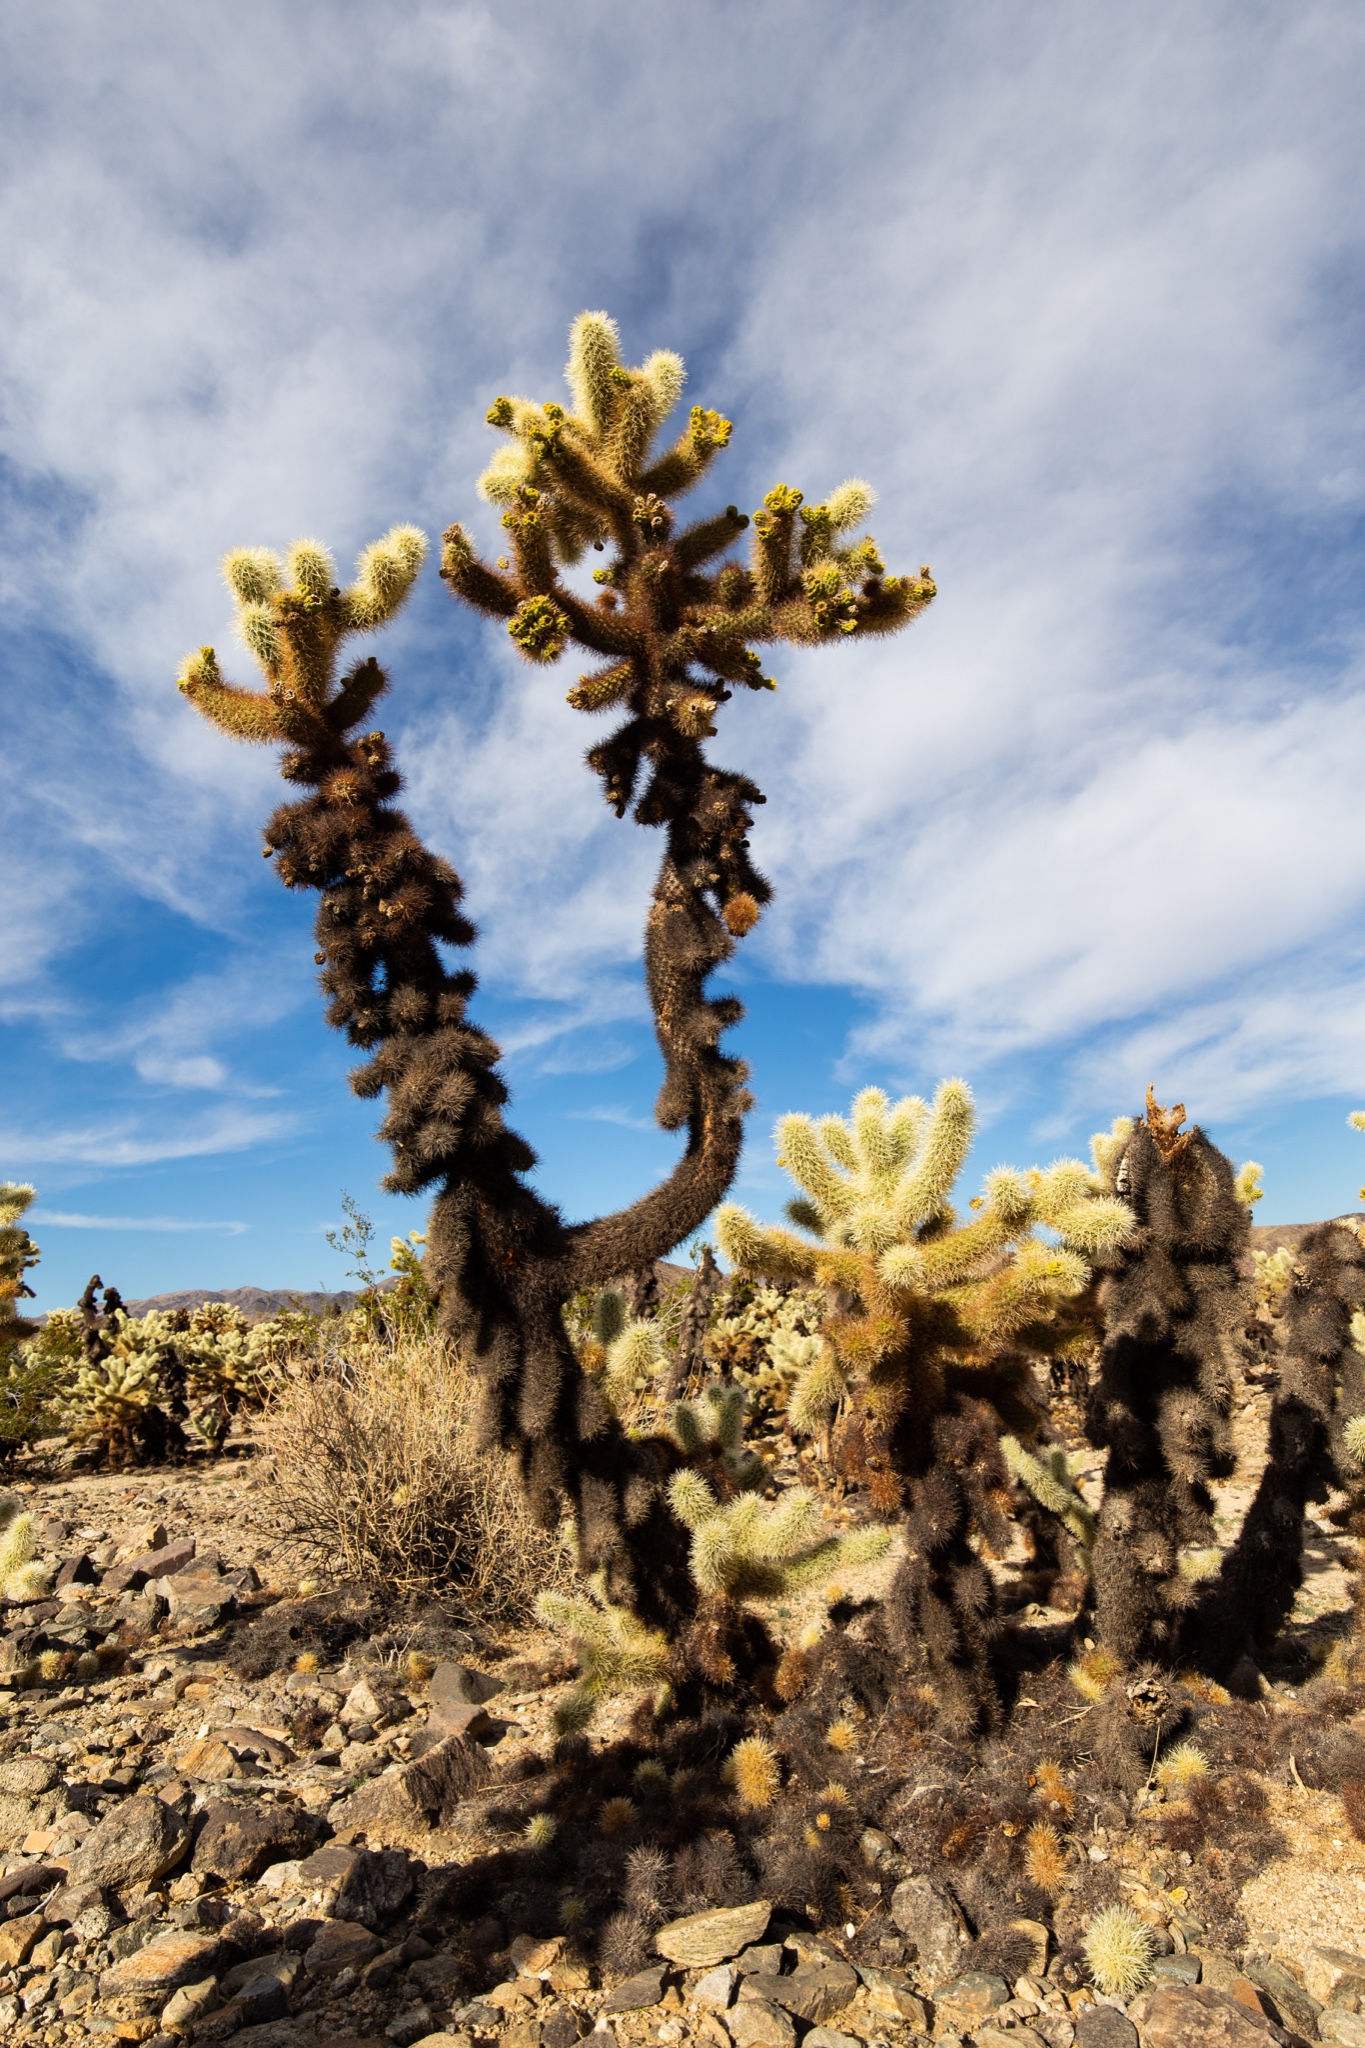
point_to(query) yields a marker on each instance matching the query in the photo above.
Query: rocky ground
(230, 1809)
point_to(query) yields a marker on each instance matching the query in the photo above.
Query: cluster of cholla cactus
(124, 1389)
(674, 630)
(923, 1358)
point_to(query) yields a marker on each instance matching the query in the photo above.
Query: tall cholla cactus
(924, 1353)
(17, 1253)
(672, 637)
(1173, 1314)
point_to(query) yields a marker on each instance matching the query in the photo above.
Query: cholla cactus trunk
(689, 1355)
(673, 640)
(1173, 1312)
(1321, 1387)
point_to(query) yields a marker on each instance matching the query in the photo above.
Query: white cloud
(64, 1219)
(1076, 294)
(122, 1142)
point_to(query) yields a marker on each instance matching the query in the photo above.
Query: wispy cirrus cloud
(65, 1219)
(127, 1143)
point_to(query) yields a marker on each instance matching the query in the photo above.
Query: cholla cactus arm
(1247, 1185)
(752, 1249)
(1036, 1281)
(1052, 1485)
(942, 1154)
(636, 1354)
(20, 1578)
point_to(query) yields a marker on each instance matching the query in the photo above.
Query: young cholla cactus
(31, 1363)
(616, 1653)
(672, 636)
(20, 1579)
(925, 1351)
(758, 1550)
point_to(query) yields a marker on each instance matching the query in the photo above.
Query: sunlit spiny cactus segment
(926, 1352)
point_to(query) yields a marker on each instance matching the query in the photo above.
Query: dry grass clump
(376, 1468)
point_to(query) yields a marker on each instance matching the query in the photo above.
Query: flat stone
(536, 1958)
(282, 1966)
(716, 1990)
(891, 1992)
(153, 1564)
(189, 2004)
(700, 1940)
(1332, 1975)
(370, 1884)
(1176, 1969)
(1040, 1937)
(1347, 2029)
(1099, 2026)
(638, 1993)
(815, 1992)
(932, 1922)
(458, 1685)
(765, 1956)
(262, 2000)
(238, 1842)
(139, 1839)
(340, 1945)
(1197, 2016)
(18, 1936)
(756, 2024)
(182, 1957)
(972, 1996)
(416, 1797)
(28, 1775)
(830, 2037)
(455, 1718)
(30, 1877)
(1294, 2007)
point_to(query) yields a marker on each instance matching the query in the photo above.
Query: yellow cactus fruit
(754, 1772)
(1093, 1674)
(1044, 1857)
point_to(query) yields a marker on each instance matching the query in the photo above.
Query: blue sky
(1078, 289)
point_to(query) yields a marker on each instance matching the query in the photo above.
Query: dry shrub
(376, 1470)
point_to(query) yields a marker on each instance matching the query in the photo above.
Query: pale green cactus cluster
(753, 1549)
(616, 1652)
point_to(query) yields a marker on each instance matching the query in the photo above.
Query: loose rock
(1196, 2016)
(240, 1841)
(700, 1940)
(138, 1839)
(163, 1965)
(928, 1918)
